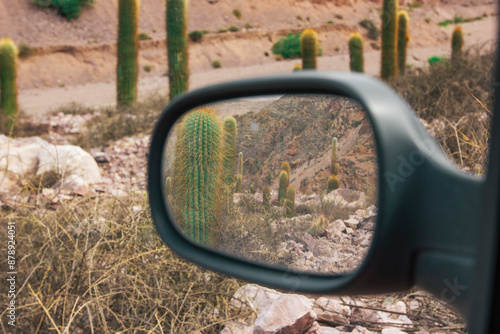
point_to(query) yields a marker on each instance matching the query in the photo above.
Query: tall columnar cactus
(229, 134)
(177, 46)
(309, 49)
(333, 183)
(283, 178)
(127, 52)
(285, 166)
(290, 202)
(403, 38)
(168, 186)
(8, 86)
(239, 183)
(389, 68)
(457, 43)
(356, 52)
(334, 155)
(266, 197)
(240, 163)
(196, 179)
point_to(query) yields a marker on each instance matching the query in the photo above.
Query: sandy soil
(76, 61)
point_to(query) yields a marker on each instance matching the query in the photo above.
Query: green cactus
(333, 183)
(177, 46)
(239, 182)
(389, 69)
(168, 186)
(127, 52)
(240, 163)
(309, 49)
(457, 43)
(356, 52)
(290, 202)
(403, 38)
(266, 197)
(283, 178)
(8, 86)
(336, 169)
(197, 171)
(285, 166)
(334, 155)
(229, 134)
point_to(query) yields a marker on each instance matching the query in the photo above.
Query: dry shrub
(455, 99)
(96, 265)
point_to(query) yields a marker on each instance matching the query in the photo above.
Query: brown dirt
(75, 61)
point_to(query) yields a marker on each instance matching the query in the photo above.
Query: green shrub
(196, 35)
(459, 19)
(148, 68)
(373, 30)
(216, 63)
(144, 37)
(288, 47)
(233, 28)
(330, 22)
(436, 60)
(248, 26)
(414, 4)
(25, 50)
(237, 13)
(70, 9)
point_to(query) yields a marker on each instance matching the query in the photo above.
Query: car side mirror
(425, 219)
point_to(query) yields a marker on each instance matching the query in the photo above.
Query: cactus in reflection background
(283, 184)
(240, 163)
(168, 186)
(177, 46)
(334, 166)
(333, 183)
(389, 69)
(127, 52)
(197, 171)
(290, 202)
(239, 183)
(8, 85)
(266, 197)
(457, 43)
(309, 48)
(229, 133)
(356, 52)
(403, 38)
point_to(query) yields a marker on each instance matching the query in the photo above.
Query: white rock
(346, 197)
(331, 311)
(287, 314)
(329, 330)
(257, 296)
(336, 228)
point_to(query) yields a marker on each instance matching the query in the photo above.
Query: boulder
(67, 167)
(346, 197)
(257, 296)
(331, 311)
(286, 314)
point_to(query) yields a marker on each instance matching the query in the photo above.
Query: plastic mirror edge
(380, 102)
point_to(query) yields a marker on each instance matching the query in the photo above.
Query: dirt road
(42, 100)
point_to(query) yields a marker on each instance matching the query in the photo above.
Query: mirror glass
(286, 180)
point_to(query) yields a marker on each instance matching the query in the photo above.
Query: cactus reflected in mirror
(285, 180)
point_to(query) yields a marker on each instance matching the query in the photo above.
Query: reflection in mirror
(289, 180)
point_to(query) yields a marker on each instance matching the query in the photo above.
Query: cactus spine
(457, 42)
(229, 134)
(283, 178)
(334, 155)
(168, 186)
(333, 183)
(290, 202)
(356, 52)
(197, 170)
(266, 197)
(127, 51)
(239, 181)
(403, 38)
(309, 49)
(177, 46)
(389, 68)
(8, 86)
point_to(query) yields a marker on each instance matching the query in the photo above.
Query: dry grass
(456, 99)
(96, 265)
